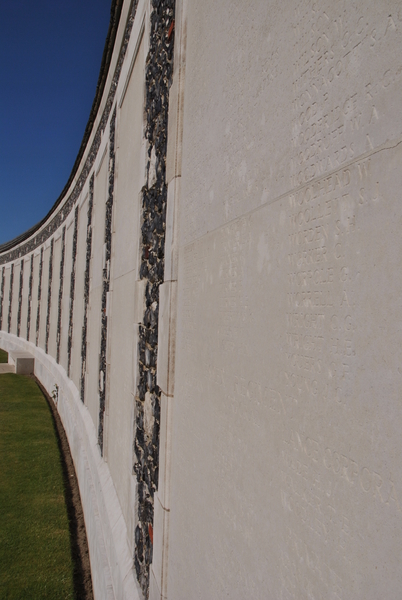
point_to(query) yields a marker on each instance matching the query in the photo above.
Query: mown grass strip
(3, 356)
(35, 553)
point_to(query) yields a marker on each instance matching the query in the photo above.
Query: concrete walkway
(6, 368)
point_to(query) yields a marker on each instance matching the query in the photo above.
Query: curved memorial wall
(214, 302)
(80, 292)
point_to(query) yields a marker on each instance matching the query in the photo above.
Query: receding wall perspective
(214, 302)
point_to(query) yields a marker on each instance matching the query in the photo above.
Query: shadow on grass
(78, 539)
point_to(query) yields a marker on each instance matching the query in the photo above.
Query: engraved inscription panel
(6, 297)
(65, 310)
(311, 86)
(55, 298)
(342, 108)
(15, 295)
(25, 292)
(288, 397)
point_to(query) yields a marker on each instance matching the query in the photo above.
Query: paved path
(6, 368)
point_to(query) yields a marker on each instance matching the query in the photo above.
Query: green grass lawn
(3, 356)
(35, 554)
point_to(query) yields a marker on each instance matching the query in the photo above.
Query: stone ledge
(23, 362)
(6, 368)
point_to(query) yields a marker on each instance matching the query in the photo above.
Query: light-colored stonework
(276, 319)
(7, 368)
(23, 362)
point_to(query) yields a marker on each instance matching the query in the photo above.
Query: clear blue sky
(50, 56)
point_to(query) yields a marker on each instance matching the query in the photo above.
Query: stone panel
(20, 296)
(100, 195)
(34, 301)
(79, 294)
(286, 473)
(65, 311)
(122, 335)
(39, 297)
(309, 88)
(6, 296)
(52, 344)
(2, 286)
(44, 297)
(284, 409)
(120, 407)
(95, 293)
(49, 294)
(15, 296)
(92, 373)
(25, 296)
(130, 174)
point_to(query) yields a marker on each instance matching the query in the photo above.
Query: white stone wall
(286, 453)
(122, 330)
(66, 290)
(25, 288)
(75, 373)
(44, 296)
(94, 326)
(279, 340)
(54, 306)
(34, 306)
(6, 298)
(107, 484)
(16, 280)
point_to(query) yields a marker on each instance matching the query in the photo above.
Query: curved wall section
(218, 298)
(111, 561)
(80, 292)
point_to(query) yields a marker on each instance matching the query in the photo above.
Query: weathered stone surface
(217, 298)
(23, 362)
(287, 468)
